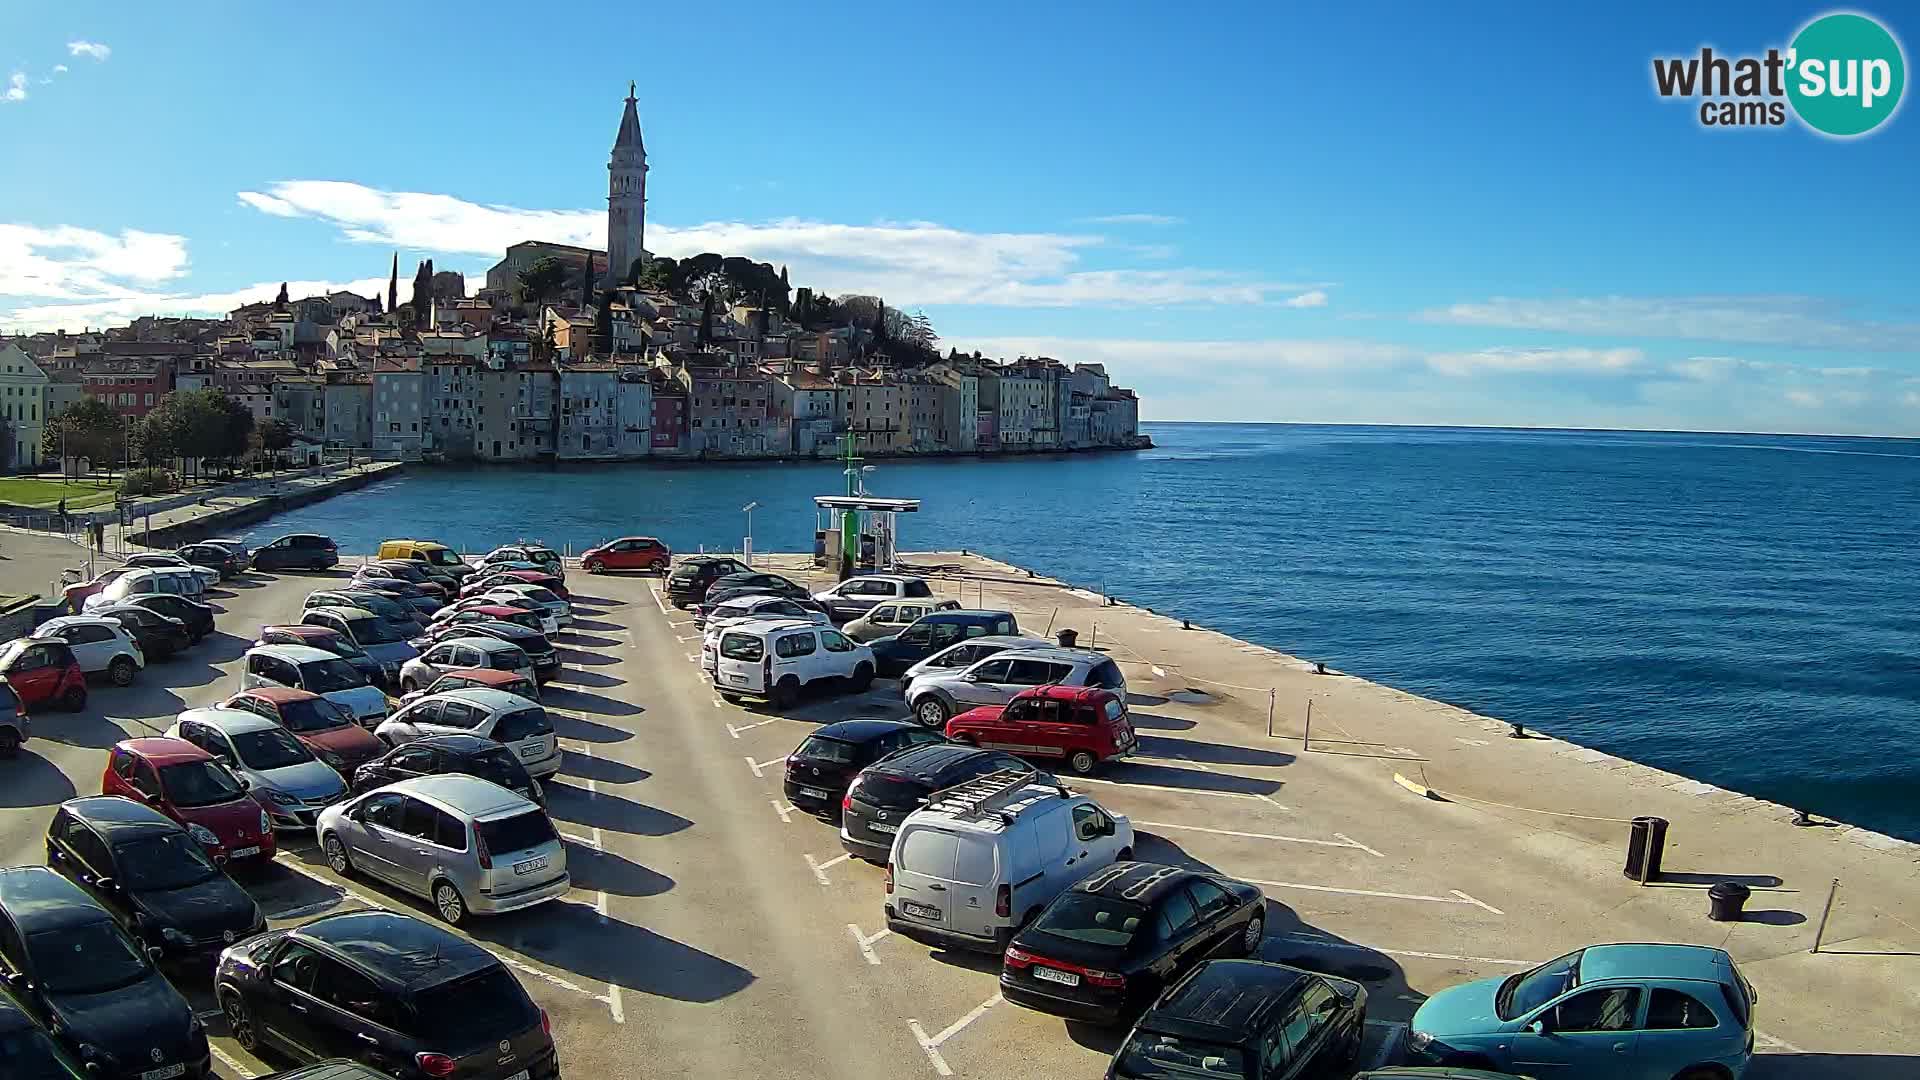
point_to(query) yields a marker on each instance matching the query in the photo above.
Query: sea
(1741, 609)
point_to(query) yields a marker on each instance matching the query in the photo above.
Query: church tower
(626, 196)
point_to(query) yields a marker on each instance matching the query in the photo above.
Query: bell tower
(626, 196)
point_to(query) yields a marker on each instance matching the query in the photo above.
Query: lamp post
(748, 510)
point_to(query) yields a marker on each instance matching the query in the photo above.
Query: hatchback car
(297, 551)
(481, 678)
(532, 620)
(143, 580)
(1598, 1013)
(300, 668)
(884, 793)
(197, 617)
(374, 635)
(755, 581)
(327, 729)
(559, 610)
(187, 784)
(116, 1012)
(453, 654)
(406, 621)
(546, 660)
(15, 728)
(167, 560)
(279, 769)
(384, 989)
(936, 696)
(548, 620)
(157, 635)
(327, 640)
(463, 843)
(825, 763)
(406, 573)
(712, 617)
(417, 597)
(1245, 1020)
(538, 554)
(891, 617)
(509, 719)
(856, 596)
(1104, 950)
(463, 753)
(160, 883)
(27, 1050)
(100, 645)
(779, 659)
(627, 553)
(224, 560)
(694, 574)
(419, 573)
(43, 672)
(938, 631)
(1081, 726)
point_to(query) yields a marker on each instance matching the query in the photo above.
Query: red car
(627, 553)
(43, 671)
(183, 782)
(1083, 725)
(489, 613)
(324, 727)
(484, 580)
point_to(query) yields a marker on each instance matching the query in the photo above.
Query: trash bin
(1067, 638)
(1646, 839)
(1728, 901)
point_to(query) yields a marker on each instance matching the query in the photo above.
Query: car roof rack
(998, 795)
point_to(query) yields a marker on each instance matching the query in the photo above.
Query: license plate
(528, 866)
(1064, 978)
(243, 852)
(165, 1073)
(919, 911)
(521, 1075)
(741, 679)
(813, 793)
(531, 752)
(882, 827)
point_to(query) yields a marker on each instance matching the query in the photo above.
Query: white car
(777, 659)
(144, 580)
(99, 644)
(454, 654)
(282, 773)
(936, 696)
(759, 606)
(509, 719)
(962, 654)
(856, 596)
(560, 610)
(166, 560)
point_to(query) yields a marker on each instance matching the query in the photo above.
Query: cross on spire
(630, 96)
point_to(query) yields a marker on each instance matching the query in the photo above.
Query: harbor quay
(713, 929)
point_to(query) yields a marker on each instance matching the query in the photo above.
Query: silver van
(463, 843)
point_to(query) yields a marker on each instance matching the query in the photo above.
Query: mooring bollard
(1726, 901)
(1646, 841)
(1519, 731)
(1319, 667)
(1802, 818)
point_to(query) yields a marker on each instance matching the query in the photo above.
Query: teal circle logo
(1846, 73)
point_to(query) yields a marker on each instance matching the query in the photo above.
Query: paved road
(714, 931)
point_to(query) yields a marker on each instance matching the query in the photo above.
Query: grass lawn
(31, 491)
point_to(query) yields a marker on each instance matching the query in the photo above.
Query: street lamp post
(748, 510)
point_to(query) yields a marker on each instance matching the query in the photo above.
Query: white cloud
(910, 263)
(92, 49)
(71, 263)
(123, 309)
(16, 87)
(1716, 368)
(1500, 361)
(1805, 399)
(1311, 298)
(1135, 219)
(1126, 358)
(59, 69)
(1849, 372)
(1911, 399)
(1798, 321)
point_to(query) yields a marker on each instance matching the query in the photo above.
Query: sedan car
(157, 635)
(279, 769)
(713, 617)
(458, 752)
(331, 732)
(197, 617)
(1598, 1013)
(116, 1011)
(404, 620)
(1245, 1020)
(1104, 949)
(627, 553)
(406, 573)
(159, 882)
(187, 784)
(224, 560)
(533, 621)
(546, 661)
(760, 582)
(820, 769)
(43, 672)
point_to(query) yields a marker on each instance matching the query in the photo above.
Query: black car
(1105, 948)
(159, 636)
(406, 997)
(436, 754)
(1243, 1018)
(114, 1011)
(693, 575)
(27, 1052)
(298, 551)
(935, 631)
(419, 573)
(154, 876)
(330, 1069)
(882, 796)
(820, 770)
(197, 617)
(546, 662)
(754, 582)
(398, 614)
(214, 556)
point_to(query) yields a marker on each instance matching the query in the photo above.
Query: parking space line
(227, 1059)
(932, 1045)
(1389, 1044)
(820, 868)
(1343, 842)
(1178, 790)
(785, 810)
(304, 910)
(565, 984)
(693, 658)
(1476, 903)
(661, 604)
(866, 943)
(1461, 898)
(614, 1005)
(756, 766)
(584, 841)
(735, 731)
(1777, 1044)
(1359, 845)
(294, 865)
(1325, 943)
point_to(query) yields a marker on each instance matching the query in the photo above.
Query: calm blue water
(1742, 609)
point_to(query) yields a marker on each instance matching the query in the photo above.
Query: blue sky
(1352, 213)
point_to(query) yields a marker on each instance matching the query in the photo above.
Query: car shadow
(563, 697)
(583, 658)
(584, 730)
(579, 623)
(1160, 723)
(615, 874)
(1211, 753)
(987, 963)
(610, 813)
(588, 641)
(600, 770)
(586, 598)
(582, 677)
(1805, 1066)
(573, 938)
(34, 781)
(1170, 776)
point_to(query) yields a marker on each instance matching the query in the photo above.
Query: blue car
(1606, 1012)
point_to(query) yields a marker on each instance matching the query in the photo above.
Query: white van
(981, 859)
(777, 658)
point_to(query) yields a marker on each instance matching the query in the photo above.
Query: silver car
(467, 652)
(278, 769)
(509, 719)
(559, 610)
(937, 695)
(962, 654)
(463, 843)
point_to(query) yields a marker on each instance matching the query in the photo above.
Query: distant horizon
(1529, 427)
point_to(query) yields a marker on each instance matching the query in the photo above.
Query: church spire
(626, 196)
(629, 137)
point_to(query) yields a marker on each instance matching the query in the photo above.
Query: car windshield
(269, 748)
(87, 959)
(1152, 1056)
(198, 783)
(821, 748)
(481, 1007)
(540, 595)
(501, 767)
(1096, 920)
(1527, 991)
(517, 833)
(372, 631)
(522, 724)
(335, 644)
(312, 714)
(891, 791)
(171, 860)
(384, 606)
(327, 676)
(26, 1053)
(441, 557)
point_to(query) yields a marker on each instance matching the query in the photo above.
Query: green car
(27, 1052)
(1606, 1012)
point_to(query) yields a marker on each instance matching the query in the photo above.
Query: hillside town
(571, 354)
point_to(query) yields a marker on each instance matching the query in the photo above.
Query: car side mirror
(106, 884)
(155, 954)
(1538, 1027)
(971, 677)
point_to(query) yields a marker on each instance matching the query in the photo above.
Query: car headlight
(266, 823)
(1420, 1040)
(204, 835)
(281, 798)
(175, 937)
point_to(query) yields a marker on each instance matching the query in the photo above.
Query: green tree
(422, 292)
(543, 280)
(274, 436)
(658, 273)
(393, 285)
(6, 443)
(706, 320)
(85, 429)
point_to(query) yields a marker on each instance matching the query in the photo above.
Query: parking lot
(714, 930)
